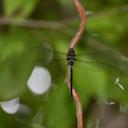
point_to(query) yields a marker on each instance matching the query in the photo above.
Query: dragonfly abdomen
(70, 61)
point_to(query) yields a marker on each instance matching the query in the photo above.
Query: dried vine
(82, 14)
(73, 44)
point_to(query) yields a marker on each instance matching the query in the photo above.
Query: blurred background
(34, 37)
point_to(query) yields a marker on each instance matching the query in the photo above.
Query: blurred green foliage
(107, 29)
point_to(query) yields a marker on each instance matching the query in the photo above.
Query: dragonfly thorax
(71, 56)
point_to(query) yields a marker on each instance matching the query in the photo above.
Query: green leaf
(15, 65)
(19, 8)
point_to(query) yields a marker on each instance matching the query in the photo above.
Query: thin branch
(58, 24)
(74, 42)
(116, 10)
(30, 23)
(79, 112)
(82, 14)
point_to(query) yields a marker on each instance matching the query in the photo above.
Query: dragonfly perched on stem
(46, 55)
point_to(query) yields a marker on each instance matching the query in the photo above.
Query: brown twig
(82, 14)
(31, 23)
(73, 44)
(79, 112)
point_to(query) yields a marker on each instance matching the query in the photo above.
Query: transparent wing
(86, 61)
(105, 58)
(45, 54)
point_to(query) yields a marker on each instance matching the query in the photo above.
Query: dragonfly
(70, 62)
(46, 55)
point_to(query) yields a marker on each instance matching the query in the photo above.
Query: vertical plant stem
(81, 29)
(73, 44)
